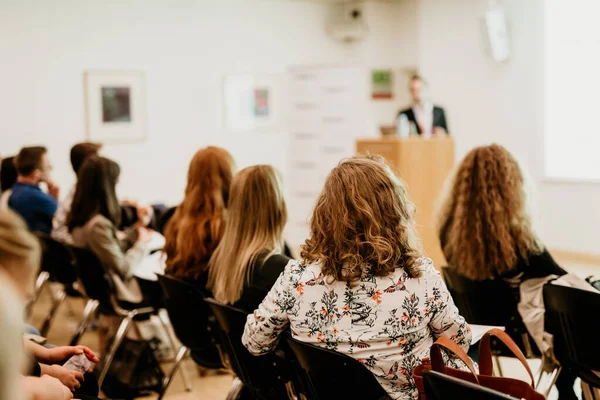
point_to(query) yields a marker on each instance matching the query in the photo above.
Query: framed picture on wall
(252, 102)
(115, 106)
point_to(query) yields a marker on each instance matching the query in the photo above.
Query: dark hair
(81, 152)
(95, 193)
(8, 173)
(29, 159)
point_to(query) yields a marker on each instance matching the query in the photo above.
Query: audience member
(19, 261)
(485, 227)
(79, 153)
(362, 287)
(196, 228)
(248, 260)
(8, 177)
(11, 349)
(93, 220)
(27, 198)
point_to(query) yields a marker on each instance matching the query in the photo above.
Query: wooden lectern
(424, 165)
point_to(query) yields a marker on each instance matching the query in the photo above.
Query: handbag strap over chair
(485, 353)
(437, 361)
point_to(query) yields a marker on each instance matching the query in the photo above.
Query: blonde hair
(11, 345)
(255, 220)
(20, 251)
(196, 228)
(483, 220)
(363, 221)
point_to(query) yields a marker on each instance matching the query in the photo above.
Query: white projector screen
(572, 90)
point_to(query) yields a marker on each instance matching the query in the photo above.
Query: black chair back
(164, 219)
(488, 302)
(571, 319)
(190, 318)
(443, 387)
(330, 374)
(57, 260)
(264, 376)
(94, 277)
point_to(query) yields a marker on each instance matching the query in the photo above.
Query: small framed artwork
(251, 102)
(115, 106)
(382, 84)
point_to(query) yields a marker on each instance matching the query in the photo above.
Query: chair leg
(498, 365)
(121, 332)
(236, 389)
(181, 355)
(291, 391)
(527, 346)
(88, 313)
(166, 324)
(555, 374)
(52, 313)
(40, 282)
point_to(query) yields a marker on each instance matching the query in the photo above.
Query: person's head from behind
(81, 152)
(32, 163)
(363, 221)
(196, 227)
(20, 253)
(483, 219)
(255, 219)
(95, 193)
(11, 342)
(8, 174)
(418, 89)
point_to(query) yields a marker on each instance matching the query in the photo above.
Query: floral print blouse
(387, 323)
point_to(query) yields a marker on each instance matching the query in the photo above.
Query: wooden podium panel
(424, 165)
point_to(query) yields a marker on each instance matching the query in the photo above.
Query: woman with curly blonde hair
(362, 287)
(484, 220)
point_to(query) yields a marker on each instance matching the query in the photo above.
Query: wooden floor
(215, 386)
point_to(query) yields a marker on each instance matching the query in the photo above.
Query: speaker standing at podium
(428, 119)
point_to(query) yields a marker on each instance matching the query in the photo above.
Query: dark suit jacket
(439, 118)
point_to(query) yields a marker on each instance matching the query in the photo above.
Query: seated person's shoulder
(425, 265)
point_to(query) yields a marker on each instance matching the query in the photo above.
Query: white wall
(185, 48)
(490, 102)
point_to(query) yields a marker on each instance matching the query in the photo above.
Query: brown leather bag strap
(485, 353)
(437, 361)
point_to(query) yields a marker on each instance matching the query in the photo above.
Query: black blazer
(439, 118)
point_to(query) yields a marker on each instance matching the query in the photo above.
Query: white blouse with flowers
(387, 323)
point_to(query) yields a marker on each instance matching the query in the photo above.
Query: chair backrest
(264, 376)
(330, 374)
(571, 319)
(57, 260)
(96, 280)
(443, 387)
(188, 312)
(490, 302)
(487, 302)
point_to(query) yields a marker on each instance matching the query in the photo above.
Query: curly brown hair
(483, 222)
(363, 221)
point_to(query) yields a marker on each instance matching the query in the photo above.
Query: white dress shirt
(424, 116)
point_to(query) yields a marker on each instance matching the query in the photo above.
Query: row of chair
(210, 332)
(569, 318)
(66, 266)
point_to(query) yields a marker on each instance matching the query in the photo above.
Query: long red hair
(197, 225)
